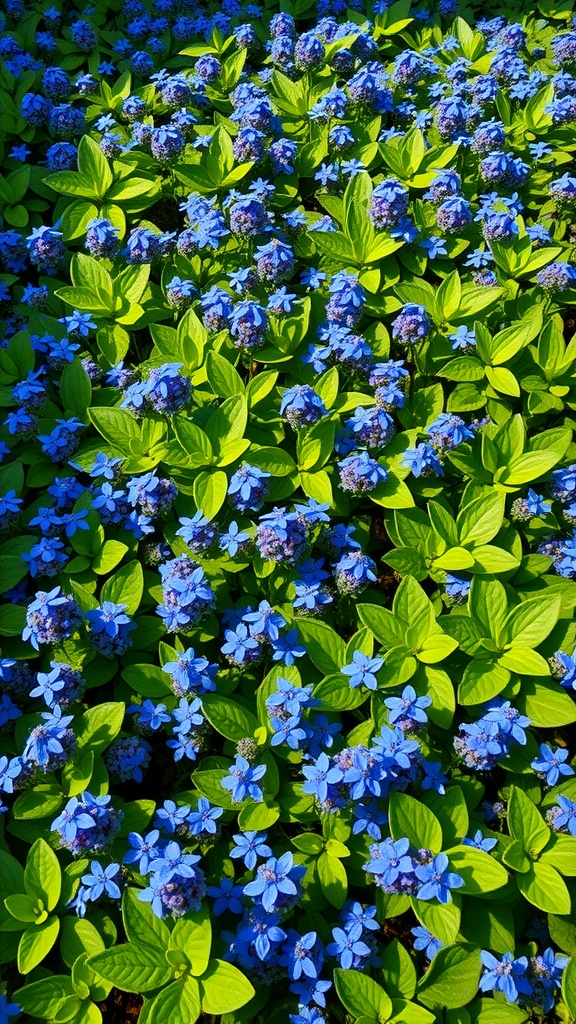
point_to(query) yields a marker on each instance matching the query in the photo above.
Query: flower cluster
(420, 873)
(483, 743)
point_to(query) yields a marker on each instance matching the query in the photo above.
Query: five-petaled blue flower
(362, 670)
(506, 975)
(437, 880)
(242, 780)
(552, 763)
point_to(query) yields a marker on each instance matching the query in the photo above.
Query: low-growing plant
(288, 504)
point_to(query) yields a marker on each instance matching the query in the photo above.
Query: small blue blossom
(226, 896)
(362, 670)
(249, 846)
(426, 942)
(242, 780)
(437, 880)
(202, 820)
(552, 764)
(102, 881)
(408, 711)
(506, 975)
(481, 842)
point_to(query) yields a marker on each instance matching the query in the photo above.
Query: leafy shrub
(288, 499)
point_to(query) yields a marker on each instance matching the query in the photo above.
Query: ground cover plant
(288, 511)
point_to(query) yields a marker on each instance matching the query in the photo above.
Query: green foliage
(286, 492)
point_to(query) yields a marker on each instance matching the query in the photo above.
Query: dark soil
(121, 1007)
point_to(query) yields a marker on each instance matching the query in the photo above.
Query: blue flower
(7, 1009)
(197, 532)
(202, 821)
(191, 673)
(101, 881)
(369, 818)
(407, 711)
(309, 1014)
(275, 879)
(183, 891)
(536, 504)
(62, 441)
(463, 338)
(390, 860)
(393, 744)
(288, 698)
(298, 955)
(301, 406)
(78, 323)
(362, 670)
(242, 780)
(45, 744)
(8, 710)
(319, 776)
(247, 489)
(437, 880)
(481, 842)
(240, 645)
(353, 572)
(187, 715)
(312, 278)
(434, 777)
(86, 824)
(365, 773)
(150, 716)
(171, 816)
(281, 301)
(183, 746)
(506, 720)
(326, 173)
(538, 150)
(457, 587)
(505, 975)
(226, 896)
(423, 460)
(434, 246)
(479, 259)
(346, 947)
(545, 974)
(340, 538)
(357, 918)
(75, 521)
(105, 466)
(447, 431)
(320, 733)
(249, 846)
(286, 648)
(173, 862)
(360, 473)
(233, 540)
(425, 941)
(143, 850)
(20, 153)
(564, 669)
(60, 686)
(551, 764)
(310, 990)
(110, 628)
(313, 512)
(566, 819)
(265, 622)
(287, 730)
(260, 932)
(310, 597)
(10, 770)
